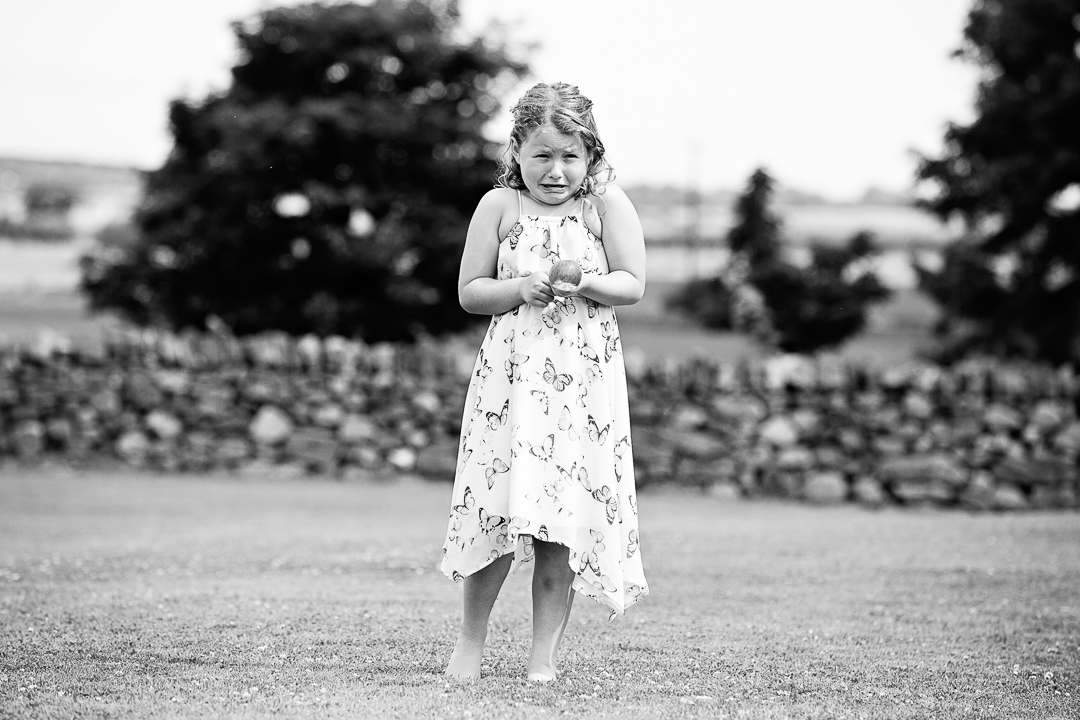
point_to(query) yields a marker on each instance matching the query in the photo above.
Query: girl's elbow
(465, 301)
(471, 304)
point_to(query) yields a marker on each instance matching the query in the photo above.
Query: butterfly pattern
(545, 449)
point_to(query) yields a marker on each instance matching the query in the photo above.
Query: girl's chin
(552, 196)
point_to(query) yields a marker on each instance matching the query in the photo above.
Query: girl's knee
(550, 551)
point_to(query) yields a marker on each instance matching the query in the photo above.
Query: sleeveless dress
(545, 442)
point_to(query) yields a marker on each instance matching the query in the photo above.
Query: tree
(823, 304)
(757, 232)
(1013, 175)
(797, 309)
(328, 189)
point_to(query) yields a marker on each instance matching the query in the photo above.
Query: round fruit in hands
(565, 276)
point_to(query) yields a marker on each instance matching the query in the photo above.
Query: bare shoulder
(498, 208)
(497, 201)
(612, 200)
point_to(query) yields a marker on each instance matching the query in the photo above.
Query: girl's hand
(535, 289)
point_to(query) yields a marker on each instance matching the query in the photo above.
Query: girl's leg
(562, 627)
(552, 598)
(481, 590)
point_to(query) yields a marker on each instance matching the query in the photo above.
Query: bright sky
(831, 96)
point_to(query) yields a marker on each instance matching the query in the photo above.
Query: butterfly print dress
(545, 441)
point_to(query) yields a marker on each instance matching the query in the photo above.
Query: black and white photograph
(462, 359)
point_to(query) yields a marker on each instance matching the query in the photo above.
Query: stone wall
(978, 436)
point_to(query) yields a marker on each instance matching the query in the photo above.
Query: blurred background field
(39, 278)
(899, 329)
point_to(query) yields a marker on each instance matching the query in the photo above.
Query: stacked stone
(189, 404)
(978, 435)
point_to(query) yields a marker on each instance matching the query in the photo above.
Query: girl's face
(553, 165)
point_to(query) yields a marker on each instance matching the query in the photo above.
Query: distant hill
(671, 215)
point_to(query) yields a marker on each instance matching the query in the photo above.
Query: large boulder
(1008, 497)
(739, 409)
(868, 491)
(29, 440)
(688, 418)
(923, 469)
(1002, 418)
(1049, 415)
(142, 392)
(164, 425)
(133, 447)
(357, 429)
(270, 426)
(232, 452)
(314, 448)
(825, 488)
(1028, 472)
(779, 431)
(697, 445)
(979, 492)
(918, 406)
(214, 400)
(797, 458)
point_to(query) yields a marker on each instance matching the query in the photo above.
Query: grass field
(127, 595)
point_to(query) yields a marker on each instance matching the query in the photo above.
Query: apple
(565, 275)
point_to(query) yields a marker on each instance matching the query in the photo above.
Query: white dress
(545, 442)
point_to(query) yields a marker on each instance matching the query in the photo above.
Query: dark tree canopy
(1013, 175)
(328, 188)
(797, 309)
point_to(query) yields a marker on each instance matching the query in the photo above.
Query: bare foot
(465, 660)
(541, 672)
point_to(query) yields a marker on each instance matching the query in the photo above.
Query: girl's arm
(479, 290)
(624, 243)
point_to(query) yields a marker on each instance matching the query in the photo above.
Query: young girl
(545, 470)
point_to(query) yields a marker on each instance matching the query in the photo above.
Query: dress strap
(585, 224)
(520, 212)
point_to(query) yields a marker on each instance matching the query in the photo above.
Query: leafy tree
(797, 309)
(1013, 175)
(328, 189)
(754, 239)
(825, 303)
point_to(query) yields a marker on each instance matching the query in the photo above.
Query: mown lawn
(132, 595)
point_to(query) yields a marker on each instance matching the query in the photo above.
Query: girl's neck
(564, 208)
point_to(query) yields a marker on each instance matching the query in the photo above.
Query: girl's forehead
(549, 137)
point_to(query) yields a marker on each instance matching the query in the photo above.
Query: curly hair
(563, 107)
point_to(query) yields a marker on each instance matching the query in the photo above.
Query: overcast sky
(831, 96)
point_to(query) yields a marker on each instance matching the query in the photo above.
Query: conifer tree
(1013, 174)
